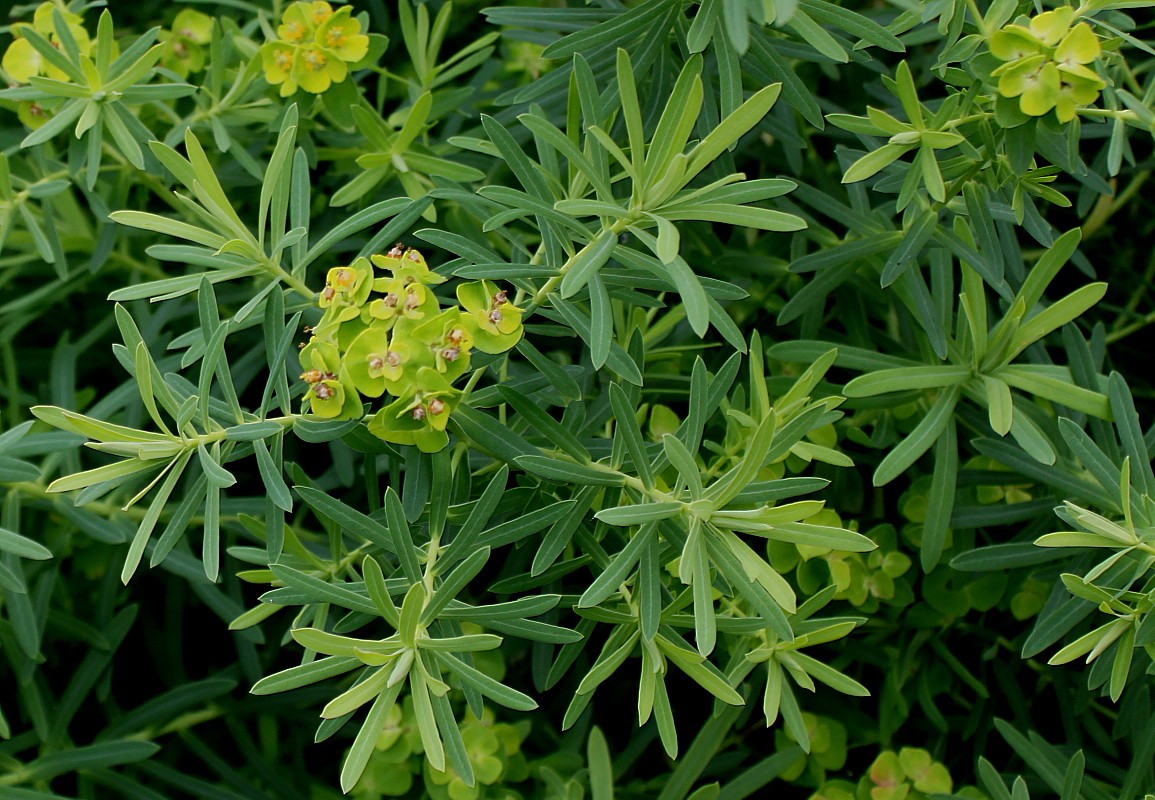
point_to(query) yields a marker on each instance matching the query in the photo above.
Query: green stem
(1138, 325)
(550, 285)
(1098, 219)
(980, 23)
(12, 381)
(1113, 113)
(1136, 297)
(954, 123)
(299, 286)
(183, 722)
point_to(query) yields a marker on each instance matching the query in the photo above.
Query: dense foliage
(646, 399)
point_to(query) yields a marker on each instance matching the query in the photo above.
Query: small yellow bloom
(278, 59)
(341, 35)
(22, 61)
(193, 25)
(316, 69)
(1046, 64)
(33, 115)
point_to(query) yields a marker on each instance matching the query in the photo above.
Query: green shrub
(653, 399)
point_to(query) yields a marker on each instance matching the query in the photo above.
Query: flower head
(184, 54)
(408, 265)
(341, 35)
(193, 25)
(301, 20)
(1075, 91)
(402, 300)
(314, 47)
(1046, 63)
(278, 59)
(32, 114)
(495, 322)
(419, 419)
(1035, 80)
(316, 69)
(330, 389)
(378, 363)
(447, 341)
(21, 61)
(347, 285)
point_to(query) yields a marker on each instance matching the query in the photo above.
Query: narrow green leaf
(732, 128)
(1045, 269)
(639, 514)
(87, 757)
(366, 740)
(401, 539)
(564, 472)
(1000, 404)
(905, 379)
(607, 583)
(577, 271)
(1024, 377)
(918, 441)
(22, 546)
(873, 162)
(600, 765)
(493, 689)
(941, 498)
(1057, 315)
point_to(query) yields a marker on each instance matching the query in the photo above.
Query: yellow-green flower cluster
(184, 51)
(314, 48)
(22, 61)
(910, 774)
(1046, 63)
(384, 333)
(493, 749)
(865, 580)
(827, 751)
